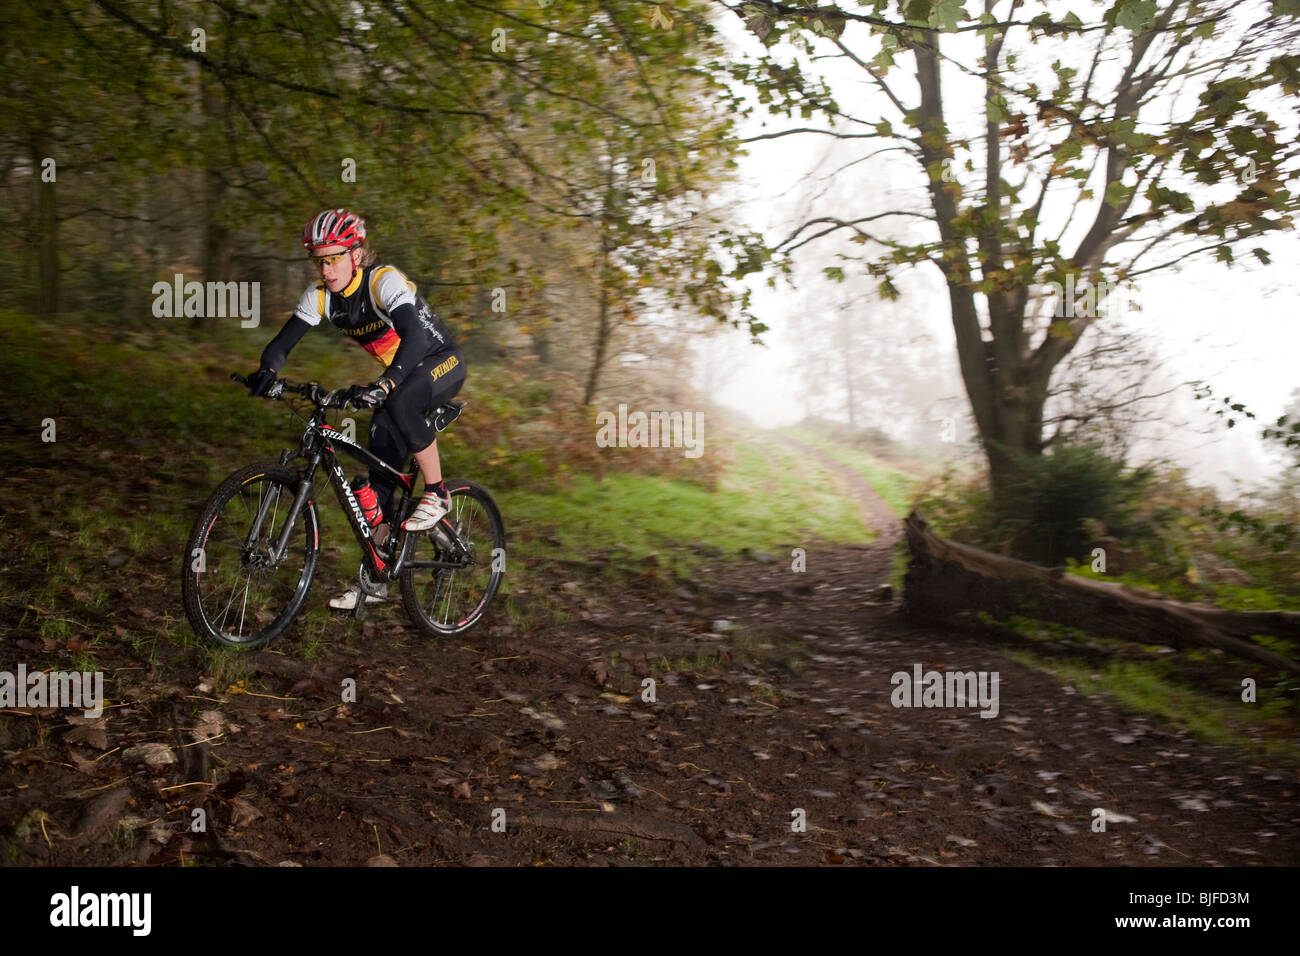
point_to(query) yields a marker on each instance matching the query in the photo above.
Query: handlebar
(312, 391)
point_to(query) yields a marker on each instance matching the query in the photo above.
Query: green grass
(703, 662)
(1138, 686)
(898, 562)
(1227, 596)
(227, 666)
(650, 522)
(896, 487)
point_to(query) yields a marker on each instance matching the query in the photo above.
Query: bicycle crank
(369, 585)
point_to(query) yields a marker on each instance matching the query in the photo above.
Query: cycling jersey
(380, 311)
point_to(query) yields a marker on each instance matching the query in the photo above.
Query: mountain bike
(252, 553)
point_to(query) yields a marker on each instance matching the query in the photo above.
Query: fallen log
(945, 578)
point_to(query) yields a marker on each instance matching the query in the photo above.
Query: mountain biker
(378, 307)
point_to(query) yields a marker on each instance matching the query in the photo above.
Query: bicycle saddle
(444, 415)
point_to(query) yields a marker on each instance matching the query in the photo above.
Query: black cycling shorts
(398, 428)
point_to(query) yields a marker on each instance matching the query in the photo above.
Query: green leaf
(1066, 151)
(1134, 14)
(997, 109)
(1117, 194)
(947, 14)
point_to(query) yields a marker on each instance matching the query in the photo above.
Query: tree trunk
(1006, 383)
(216, 238)
(945, 579)
(602, 325)
(47, 233)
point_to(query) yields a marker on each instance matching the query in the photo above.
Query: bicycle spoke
(229, 603)
(448, 605)
(238, 566)
(463, 583)
(245, 605)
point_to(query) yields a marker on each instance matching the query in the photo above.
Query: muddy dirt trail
(768, 737)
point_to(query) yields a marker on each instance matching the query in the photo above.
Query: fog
(1235, 328)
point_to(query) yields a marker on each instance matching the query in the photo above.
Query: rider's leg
(387, 442)
(430, 466)
(430, 384)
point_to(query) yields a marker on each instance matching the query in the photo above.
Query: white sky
(1237, 328)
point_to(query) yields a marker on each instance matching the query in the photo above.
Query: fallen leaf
(547, 761)
(242, 813)
(152, 755)
(93, 735)
(81, 763)
(208, 725)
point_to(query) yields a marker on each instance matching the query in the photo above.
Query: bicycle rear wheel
(452, 600)
(234, 592)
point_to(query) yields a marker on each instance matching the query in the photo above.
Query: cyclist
(377, 306)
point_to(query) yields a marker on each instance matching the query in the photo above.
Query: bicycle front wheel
(453, 597)
(234, 589)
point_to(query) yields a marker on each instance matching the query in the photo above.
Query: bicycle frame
(318, 448)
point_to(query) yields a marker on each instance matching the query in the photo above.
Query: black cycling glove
(368, 396)
(260, 382)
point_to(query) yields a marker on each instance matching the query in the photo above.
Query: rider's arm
(277, 351)
(306, 315)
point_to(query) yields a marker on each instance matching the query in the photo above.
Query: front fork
(281, 546)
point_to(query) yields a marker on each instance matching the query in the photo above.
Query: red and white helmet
(334, 227)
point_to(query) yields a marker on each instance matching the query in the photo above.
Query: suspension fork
(299, 502)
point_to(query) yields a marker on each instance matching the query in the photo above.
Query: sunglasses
(331, 261)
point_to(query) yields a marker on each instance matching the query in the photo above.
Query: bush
(1057, 495)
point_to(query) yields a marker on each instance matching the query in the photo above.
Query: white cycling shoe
(431, 509)
(347, 601)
